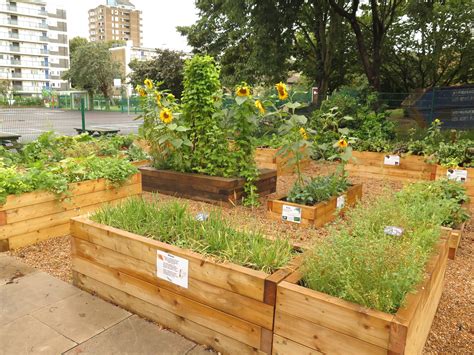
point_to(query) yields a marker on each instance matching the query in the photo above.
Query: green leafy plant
(172, 223)
(318, 189)
(360, 263)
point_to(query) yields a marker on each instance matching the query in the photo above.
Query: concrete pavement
(40, 314)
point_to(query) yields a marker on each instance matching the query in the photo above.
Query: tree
(370, 24)
(166, 67)
(92, 69)
(4, 87)
(432, 45)
(75, 43)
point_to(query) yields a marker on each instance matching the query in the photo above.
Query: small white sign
(457, 175)
(117, 83)
(172, 268)
(291, 214)
(392, 160)
(393, 231)
(341, 202)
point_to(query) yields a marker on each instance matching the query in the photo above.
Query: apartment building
(117, 20)
(34, 49)
(125, 54)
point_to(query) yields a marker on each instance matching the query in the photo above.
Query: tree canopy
(395, 44)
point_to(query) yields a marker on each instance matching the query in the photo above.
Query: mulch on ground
(452, 330)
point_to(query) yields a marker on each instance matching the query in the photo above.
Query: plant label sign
(393, 231)
(341, 202)
(392, 160)
(291, 214)
(172, 268)
(457, 175)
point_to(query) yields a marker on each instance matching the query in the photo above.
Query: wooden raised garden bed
(267, 158)
(372, 165)
(317, 215)
(311, 322)
(213, 189)
(225, 306)
(468, 181)
(141, 163)
(35, 216)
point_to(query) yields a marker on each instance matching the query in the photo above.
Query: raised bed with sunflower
(316, 201)
(189, 142)
(274, 157)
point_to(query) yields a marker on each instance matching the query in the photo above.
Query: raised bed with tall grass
(368, 289)
(229, 300)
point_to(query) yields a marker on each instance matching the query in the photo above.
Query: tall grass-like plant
(360, 263)
(171, 223)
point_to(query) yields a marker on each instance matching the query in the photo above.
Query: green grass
(172, 223)
(361, 264)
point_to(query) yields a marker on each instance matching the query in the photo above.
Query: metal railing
(23, 10)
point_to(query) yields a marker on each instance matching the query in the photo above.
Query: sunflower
(141, 91)
(158, 98)
(166, 116)
(303, 133)
(282, 93)
(342, 143)
(148, 83)
(243, 91)
(259, 105)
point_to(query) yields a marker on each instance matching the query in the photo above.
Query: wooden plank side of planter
(212, 189)
(328, 324)
(231, 300)
(37, 216)
(231, 277)
(319, 214)
(193, 331)
(141, 163)
(77, 188)
(371, 165)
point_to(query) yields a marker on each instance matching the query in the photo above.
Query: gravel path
(452, 331)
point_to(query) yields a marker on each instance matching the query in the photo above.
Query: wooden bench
(98, 131)
(9, 140)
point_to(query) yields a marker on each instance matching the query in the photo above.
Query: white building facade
(34, 48)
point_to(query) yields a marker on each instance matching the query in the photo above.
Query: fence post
(432, 105)
(83, 114)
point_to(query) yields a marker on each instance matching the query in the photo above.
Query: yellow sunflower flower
(166, 116)
(303, 133)
(243, 91)
(158, 98)
(141, 91)
(259, 105)
(282, 92)
(342, 143)
(148, 83)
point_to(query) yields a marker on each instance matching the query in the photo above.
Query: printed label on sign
(172, 268)
(291, 214)
(457, 175)
(392, 160)
(341, 202)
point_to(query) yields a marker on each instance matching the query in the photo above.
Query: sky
(160, 18)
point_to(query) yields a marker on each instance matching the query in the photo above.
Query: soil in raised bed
(452, 330)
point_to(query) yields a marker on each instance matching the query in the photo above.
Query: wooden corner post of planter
(222, 305)
(307, 321)
(35, 216)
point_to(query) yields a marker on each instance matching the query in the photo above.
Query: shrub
(318, 189)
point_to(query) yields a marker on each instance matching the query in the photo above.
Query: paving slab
(200, 350)
(135, 335)
(12, 269)
(27, 335)
(30, 293)
(80, 317)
